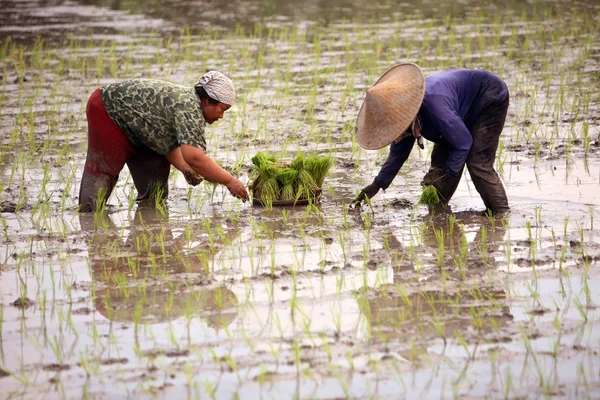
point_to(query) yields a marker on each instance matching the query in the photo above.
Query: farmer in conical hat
(150, 125)
(462, 111)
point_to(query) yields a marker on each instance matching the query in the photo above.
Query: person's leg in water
(486, 130)
(108, 150)
(150, 173)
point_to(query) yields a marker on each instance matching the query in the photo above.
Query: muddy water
(25, 20)
(208, 296)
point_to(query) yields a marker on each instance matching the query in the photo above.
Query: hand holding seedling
(461, 111)
(366, 193)
(237, 189)
(168, 122)
(192, 177)
(438, 187)
(432, 176)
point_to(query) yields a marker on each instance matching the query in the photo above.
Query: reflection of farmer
(461, 111)
(428, 314)
(166, 302)
(479, 252)
(150, 250)
(150, 125)
(453, 239)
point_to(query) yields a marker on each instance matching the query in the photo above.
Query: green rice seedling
(582, 377)
(439, 235)
(306, 185)
(581, 308)
(89, 366)
(260, 159)
(275, 353)
(451, 225)
(534, 356)
(210, 389)
(318, 167)
(463, 342)
(557, 338)
(265, 184)
(297, 361)
(287, 178)
(430, 196)
(273, 180)
(56, 346)
(483, 245)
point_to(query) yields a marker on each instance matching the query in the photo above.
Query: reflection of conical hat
(390, 106)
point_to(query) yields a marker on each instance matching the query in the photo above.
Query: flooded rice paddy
(206, 296)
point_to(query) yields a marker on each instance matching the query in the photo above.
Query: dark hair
(203, 95)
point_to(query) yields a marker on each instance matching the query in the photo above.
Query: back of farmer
(462, 111)
(150, 125)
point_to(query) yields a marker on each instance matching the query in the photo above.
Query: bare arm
(176, 159)
(208, 168)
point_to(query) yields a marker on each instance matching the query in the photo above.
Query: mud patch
(112, 361)
(22, 302)
(167, 353)
(56, 367)
(8, 207)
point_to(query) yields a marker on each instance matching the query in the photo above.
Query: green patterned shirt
(157, 114)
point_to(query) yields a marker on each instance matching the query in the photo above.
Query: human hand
(366, 193)
(237, 189)
(433, 176)
(192, 177)
(444, 184)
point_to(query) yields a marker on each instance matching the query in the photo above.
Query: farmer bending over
(462, 111)
(150, 125)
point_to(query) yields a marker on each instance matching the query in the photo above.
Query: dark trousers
(108, 152)
(486, 129)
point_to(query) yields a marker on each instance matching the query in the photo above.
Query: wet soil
(209, 296)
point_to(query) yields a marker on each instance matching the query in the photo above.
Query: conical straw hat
(390, 106)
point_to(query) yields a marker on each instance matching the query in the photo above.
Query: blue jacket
(453, 100)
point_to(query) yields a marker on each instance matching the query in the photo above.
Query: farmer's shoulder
(142, 85)
(152, 92)
(458, 73)
(157, 83)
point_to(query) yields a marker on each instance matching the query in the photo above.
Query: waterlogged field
(209, 297)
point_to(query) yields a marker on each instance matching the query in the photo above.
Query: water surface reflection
(140, 272)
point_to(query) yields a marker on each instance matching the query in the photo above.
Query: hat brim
(383, 119)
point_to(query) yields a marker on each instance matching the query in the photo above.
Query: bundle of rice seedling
(287, 178)
(264, 182)
(318, 167)
(430, 196)
(298, 161)
(305, 178)
(260, 159)
(301, 180)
